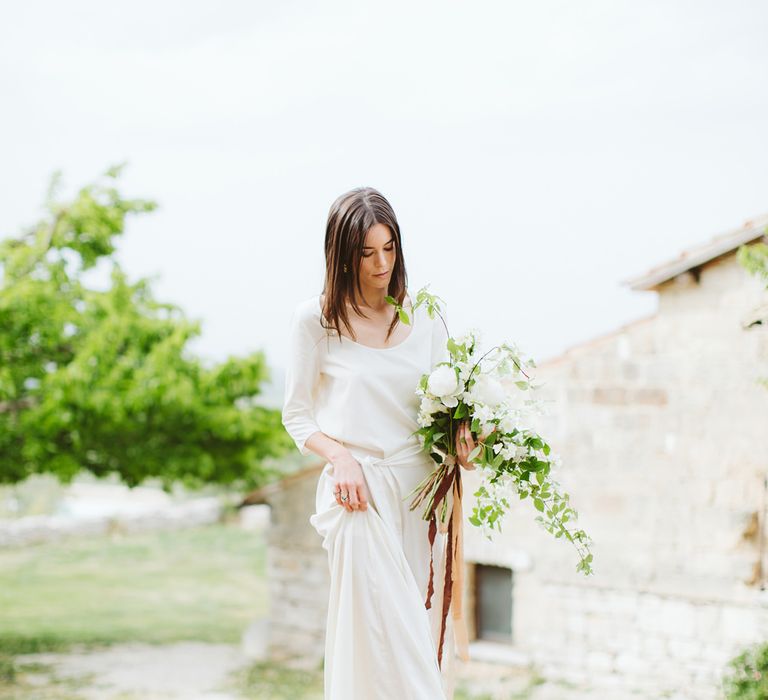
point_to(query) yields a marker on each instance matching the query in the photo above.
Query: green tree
(754, 259)
(101, 379)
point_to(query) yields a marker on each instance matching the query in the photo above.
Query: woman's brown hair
(351, 216)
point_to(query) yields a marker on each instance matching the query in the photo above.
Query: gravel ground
(182, 671)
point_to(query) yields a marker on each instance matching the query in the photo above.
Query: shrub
(747, 674)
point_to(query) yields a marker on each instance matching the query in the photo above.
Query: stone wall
(661, 427)
(298, 575)
(36, 529)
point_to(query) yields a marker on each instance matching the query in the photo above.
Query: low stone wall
(35, 529)
(644, 640)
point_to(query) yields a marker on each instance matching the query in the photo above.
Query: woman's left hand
(465, 443)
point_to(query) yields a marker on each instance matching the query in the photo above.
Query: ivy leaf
(461, 411)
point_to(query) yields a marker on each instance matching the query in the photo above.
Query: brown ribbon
(453, 584)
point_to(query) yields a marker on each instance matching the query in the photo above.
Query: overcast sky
(536, 154)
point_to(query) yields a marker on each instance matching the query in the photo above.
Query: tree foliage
(754, 259)
(101, 379)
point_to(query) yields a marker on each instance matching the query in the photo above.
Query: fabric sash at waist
(412, 455)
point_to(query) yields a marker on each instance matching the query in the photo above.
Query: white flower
(426, 405)
(517, 399)
(425, 420)
(467, 338)
(484, 414)
(488, 390)
(486, 429)
(508, 423)
(465, 370)
(509, 452)
(443, 382)
(429, 406)
(450, 401)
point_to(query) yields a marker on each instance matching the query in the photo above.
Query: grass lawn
(204, 583)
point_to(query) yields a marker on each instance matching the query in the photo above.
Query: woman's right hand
(348, 479)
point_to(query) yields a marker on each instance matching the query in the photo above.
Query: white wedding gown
(381, 640)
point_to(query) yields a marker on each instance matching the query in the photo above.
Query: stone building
(297, 570)
(662, 428)
(663, 432)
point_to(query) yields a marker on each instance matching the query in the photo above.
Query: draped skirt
(381, 641)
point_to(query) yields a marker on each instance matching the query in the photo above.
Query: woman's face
(378, 257)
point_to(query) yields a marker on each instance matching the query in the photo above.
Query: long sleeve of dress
(302, 377)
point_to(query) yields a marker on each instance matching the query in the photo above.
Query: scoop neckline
(370, 347)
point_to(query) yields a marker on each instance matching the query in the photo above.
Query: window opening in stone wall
(493, 602)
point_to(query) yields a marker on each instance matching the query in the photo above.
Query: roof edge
(716, 247)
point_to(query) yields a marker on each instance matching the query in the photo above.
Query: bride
(350, 383)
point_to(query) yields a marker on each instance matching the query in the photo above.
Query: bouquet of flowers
(493, 392)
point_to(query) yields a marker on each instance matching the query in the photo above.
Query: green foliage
(530, 476)
(746, 677)
(754, 259)
(423, 297)
(102, 379)
(506, 459)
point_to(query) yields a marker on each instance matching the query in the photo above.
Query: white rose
(488, 390)
(443, 382)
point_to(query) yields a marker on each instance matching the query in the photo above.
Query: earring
(345, 267)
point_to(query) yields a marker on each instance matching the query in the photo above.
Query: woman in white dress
(350, 384)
